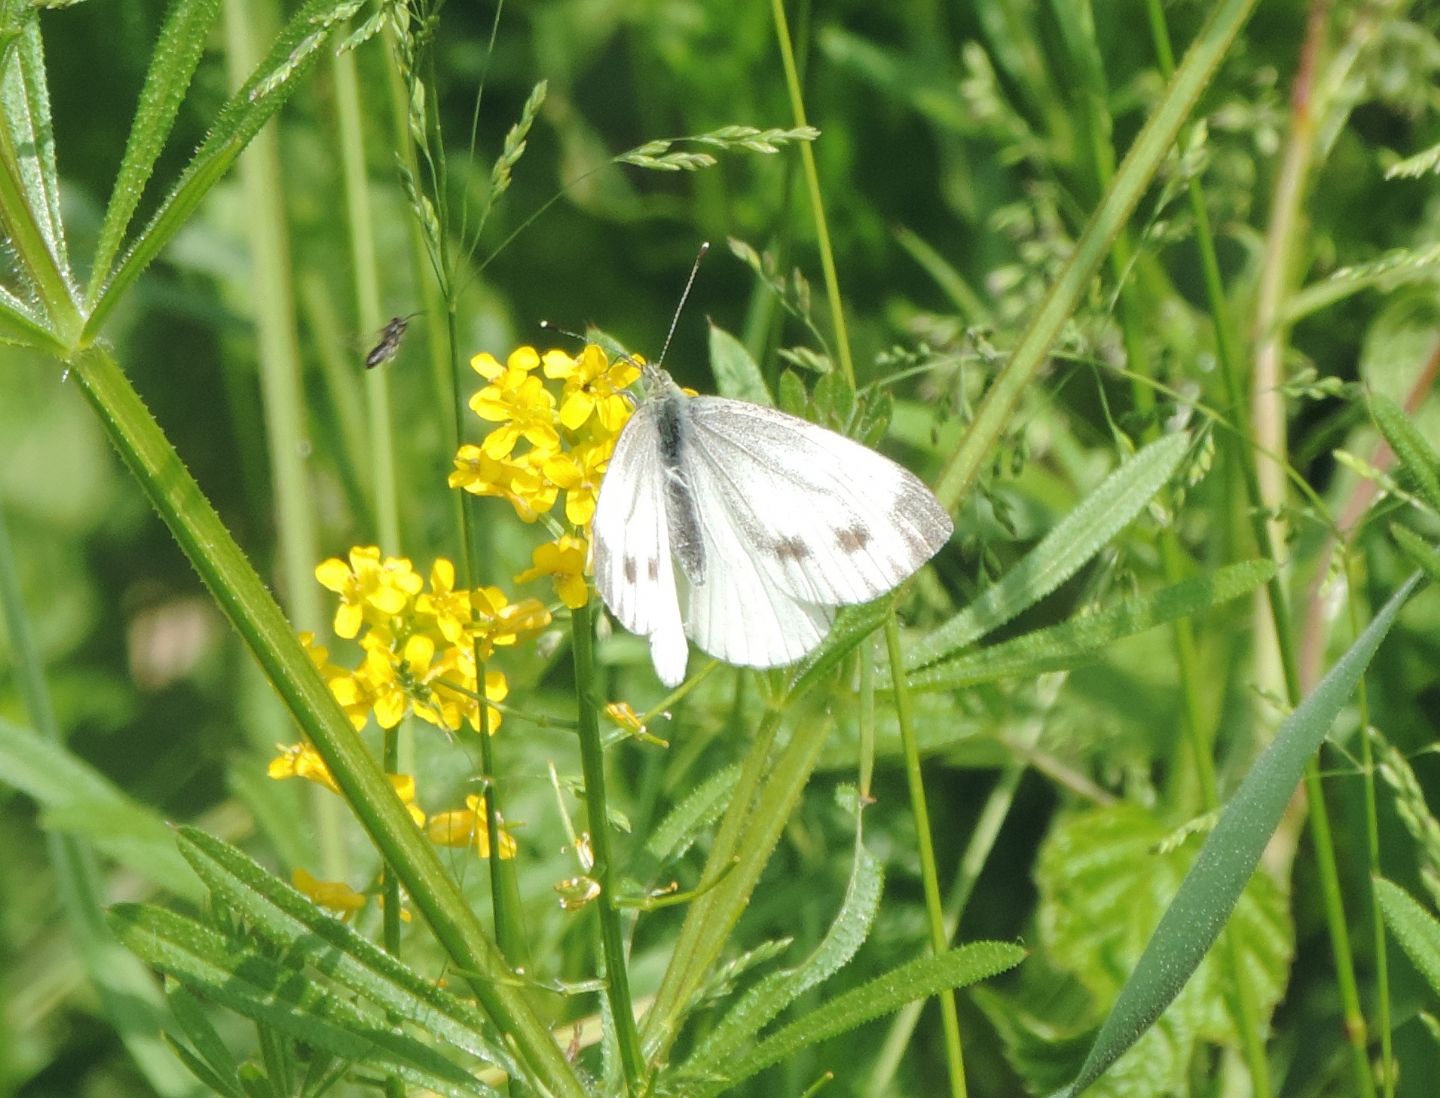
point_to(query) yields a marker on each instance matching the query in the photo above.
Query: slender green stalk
(246, 601)
(812, 186)
(914, 778)
(592, 761)
(1132, 178)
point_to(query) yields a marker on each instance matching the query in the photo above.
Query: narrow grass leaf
(206, 1056)
(759, 1006)
(172, 65)
(1073, 541)
(1074, 642)
(736, 374)
(1209, 892)
(852, 625)
(1419, 551)
(683, 824)
(1416, 454)
(296, 48)
(284, 917)
(255, 986)
(20, 325)
(919, 979)
(1414, 928)
(78, 800)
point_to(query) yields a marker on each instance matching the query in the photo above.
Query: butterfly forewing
(828, 520)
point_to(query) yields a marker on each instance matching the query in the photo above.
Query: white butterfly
(758, 522)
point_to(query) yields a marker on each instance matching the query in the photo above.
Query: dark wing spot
(652, 569)
(629, 569)
(854, 539)
(791, 549)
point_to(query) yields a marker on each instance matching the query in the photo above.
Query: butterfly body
(757, 522)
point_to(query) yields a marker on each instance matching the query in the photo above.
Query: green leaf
(1414, 928)
(281, 915)
(852, 625)
(208, 1058)
(1419, 551)
(1415, 454)
(1072, 643)
(1073, 541)
(172, 65)
(758, 1006)
(736, 373)
(683, 824)
(1213, 885)
(296, 48)
(919, 979)
(79, 801)
(253, 985)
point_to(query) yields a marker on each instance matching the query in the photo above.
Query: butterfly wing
(633, 569)
(825, 520)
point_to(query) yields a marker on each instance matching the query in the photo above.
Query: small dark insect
(388, 344)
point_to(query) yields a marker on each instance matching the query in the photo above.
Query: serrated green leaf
(762, 1003)
(281, 915)
(736, 373)
(1414, 928)
(1419, 551)
(1073, 541)
(682, 824)
(1415, 454)
(1076, 641)
(1210, 890)
(286, 1000)
(172, 65)
(919, 979)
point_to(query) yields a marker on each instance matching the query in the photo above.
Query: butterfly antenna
(694, 270)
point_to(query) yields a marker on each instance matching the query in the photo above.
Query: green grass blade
(1419, 551)
(1074, 540)
(172, 65)
(1076, 641)
(296, 48)
(1414, 928)
(1209, 892)
(287, 1000)
(921, 978)
(284, 917)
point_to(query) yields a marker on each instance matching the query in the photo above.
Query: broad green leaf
(1414, 928)
(919, 979)
(172, 65)
(280, 914)
(1073, 541)
(1072, 643)
(244, 980)
(759, 1006)
(1415, 453)
(736, 373)
(296, 48)
(1210, 890)
(79, 801)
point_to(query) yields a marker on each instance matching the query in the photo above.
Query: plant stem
(592, 761)
(914, 778)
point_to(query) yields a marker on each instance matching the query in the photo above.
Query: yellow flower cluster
(568, 441)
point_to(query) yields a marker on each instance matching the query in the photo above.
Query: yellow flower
(563, 560)
(593, 385)
(517, 401)
(404, 786)
(579, 471)
(367, 584)
(356, 695)
(336, 895)
(469, 826)
(519, 479)
(496, 621)
(300, 760)
(449, 608)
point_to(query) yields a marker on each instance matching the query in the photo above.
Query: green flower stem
(812, 187)
(243, 597)
(929, 877)
(1132, 178)
(592, 760)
